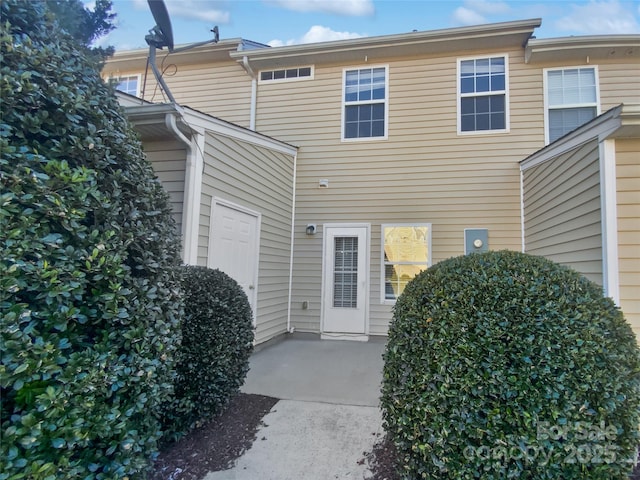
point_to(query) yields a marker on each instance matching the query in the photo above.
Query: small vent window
(300, 73)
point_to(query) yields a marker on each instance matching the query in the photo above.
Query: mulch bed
(216, 445)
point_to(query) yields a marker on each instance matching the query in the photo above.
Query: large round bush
(217, 340)
(505, 365)
(89, 299)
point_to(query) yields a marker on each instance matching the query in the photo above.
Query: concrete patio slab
(328, 417)
(310, 441)
(303, 367)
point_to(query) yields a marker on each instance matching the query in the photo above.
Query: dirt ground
(216, 445)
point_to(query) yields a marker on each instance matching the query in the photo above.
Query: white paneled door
(345, 287)
(234, 245)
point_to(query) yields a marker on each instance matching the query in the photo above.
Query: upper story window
(571, 96)
(297, 73)
(365, 103)
(483, 95)
(129, 84)
(407, 252)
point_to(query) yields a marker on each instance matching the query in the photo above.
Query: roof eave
(622, 121)
(497, 35)
(583, 48)
(131, 60)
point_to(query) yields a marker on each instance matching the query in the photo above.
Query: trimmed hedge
(89, 298)
(217, 340)
(505, 365)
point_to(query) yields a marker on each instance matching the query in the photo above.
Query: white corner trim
(610, 268)
(522, 223)
(192, 195)
(293, 235)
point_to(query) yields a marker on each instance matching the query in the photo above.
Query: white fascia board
(207, 122)
(600, 127)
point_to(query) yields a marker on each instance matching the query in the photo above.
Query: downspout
(192, 187)
(290, 329)
(608, 208)
(254, 92)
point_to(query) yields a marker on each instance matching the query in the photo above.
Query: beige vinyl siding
(168, 161)
(261, 180)
(423, 173)
(562, 213)
(222, 89)
(628, 209)
(619, 84)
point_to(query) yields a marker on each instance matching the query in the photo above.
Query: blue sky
(286, 22)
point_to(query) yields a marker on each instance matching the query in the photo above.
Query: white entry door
(345, 284)
(234, 245)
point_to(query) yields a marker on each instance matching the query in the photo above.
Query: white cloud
(355, 8)
(484, 6)
(475, 12)
(197, 10)
(317, 33)
(140, 5)
(466, 16)
(204, 10)
(599, 17)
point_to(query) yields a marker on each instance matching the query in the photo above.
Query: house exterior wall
(628, 212)
(168, 161)
(423, 172)
(260, 180)
(562, 210)
(222, 89)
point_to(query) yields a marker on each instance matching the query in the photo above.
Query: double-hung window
(482, 95)
(571, 96)
(406, 251)
(365, 103)
(129, 84)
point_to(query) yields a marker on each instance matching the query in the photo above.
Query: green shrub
(506, 365)
(89, 299)
(217, 340)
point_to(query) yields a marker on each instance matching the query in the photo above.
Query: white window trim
(545, 83)
(118, 78)
(386, 104)
(284, 80)
(506, 96)
(383, 299)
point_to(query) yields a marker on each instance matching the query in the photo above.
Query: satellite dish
(161, 34)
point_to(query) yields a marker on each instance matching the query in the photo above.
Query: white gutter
(254, 92)
(293, 233)
(192, 189)
(610, 267)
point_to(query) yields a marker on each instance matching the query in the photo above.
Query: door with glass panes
(345, 285)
